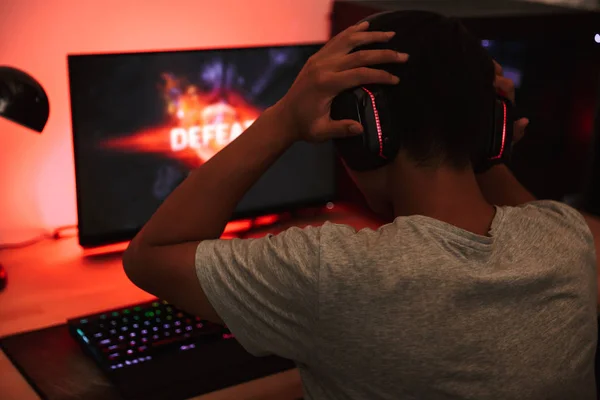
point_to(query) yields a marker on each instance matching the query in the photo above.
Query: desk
(52, 281)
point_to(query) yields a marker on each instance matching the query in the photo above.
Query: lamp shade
(22, 99)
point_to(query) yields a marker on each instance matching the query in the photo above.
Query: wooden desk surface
(52, 281)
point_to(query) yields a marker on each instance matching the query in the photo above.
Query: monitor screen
(142, 121)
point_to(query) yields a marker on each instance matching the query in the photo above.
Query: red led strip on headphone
(377, 122)
(503, 135)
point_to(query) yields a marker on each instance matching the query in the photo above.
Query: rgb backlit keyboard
(130, 336)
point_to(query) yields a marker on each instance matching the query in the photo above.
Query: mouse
(22, 99)
(3, 277)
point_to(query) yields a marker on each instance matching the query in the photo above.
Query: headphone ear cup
(374, 115)
(363, 152)
(376, 121)
(497, 145)
(352, 150)
(501, 143)
(347, 106)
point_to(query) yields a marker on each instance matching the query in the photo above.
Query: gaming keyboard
(154, 350)
(125, 337)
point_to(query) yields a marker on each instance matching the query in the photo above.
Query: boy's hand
(330, 71)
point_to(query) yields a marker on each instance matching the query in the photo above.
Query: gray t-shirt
(419, 309)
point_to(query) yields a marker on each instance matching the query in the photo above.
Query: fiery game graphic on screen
(199, 123)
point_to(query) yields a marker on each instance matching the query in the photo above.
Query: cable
(55, 234)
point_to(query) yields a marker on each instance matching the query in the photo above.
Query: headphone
(378, 145)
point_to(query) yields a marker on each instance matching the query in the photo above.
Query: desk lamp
(23, 101)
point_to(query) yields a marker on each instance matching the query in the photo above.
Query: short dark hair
(444, 102)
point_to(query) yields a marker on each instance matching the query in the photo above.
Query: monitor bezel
(90, 240)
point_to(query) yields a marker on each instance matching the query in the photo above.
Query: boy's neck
(446, 194)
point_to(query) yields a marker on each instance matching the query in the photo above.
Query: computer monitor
(142, 121)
